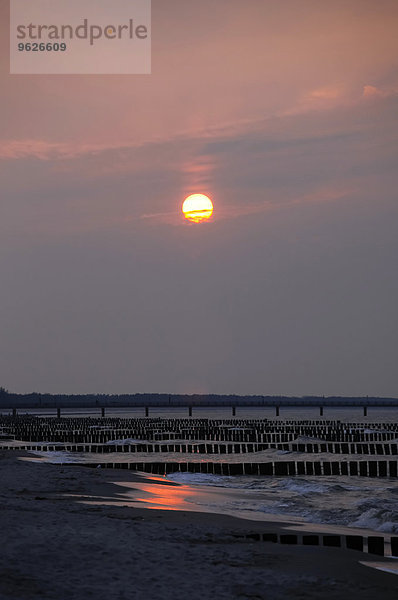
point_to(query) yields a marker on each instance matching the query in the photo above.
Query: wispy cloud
(372, 91)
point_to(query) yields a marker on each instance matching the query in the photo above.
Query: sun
(197, 208)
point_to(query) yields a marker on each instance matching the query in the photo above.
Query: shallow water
(337, 500)
(349, 501)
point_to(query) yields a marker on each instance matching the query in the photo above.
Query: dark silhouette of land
(38, 400)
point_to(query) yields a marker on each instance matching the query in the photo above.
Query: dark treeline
(35, 399)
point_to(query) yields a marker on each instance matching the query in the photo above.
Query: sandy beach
(57, 546)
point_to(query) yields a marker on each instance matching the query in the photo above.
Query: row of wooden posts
(94, 431)
(373, 544)
(385, 449)
(360, 468)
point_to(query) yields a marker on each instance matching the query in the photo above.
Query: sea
(363, 503)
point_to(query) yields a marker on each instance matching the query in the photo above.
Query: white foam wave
(56, 457)
(348, 501)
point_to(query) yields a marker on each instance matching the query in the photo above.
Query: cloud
(46, 150)
(371, 91)
(251, 166)
(326, 93)
(267, 60)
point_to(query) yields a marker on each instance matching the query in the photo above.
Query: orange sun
(197, 208)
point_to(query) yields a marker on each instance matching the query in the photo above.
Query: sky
(285, 113)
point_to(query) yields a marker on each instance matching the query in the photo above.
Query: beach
(59, 541)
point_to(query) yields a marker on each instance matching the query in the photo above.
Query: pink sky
(286, 114)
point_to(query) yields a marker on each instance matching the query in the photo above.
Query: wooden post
(321, 411)
(147, 411)
(376, 545)
(288, 538)
(332, 540)
(14, 412)
(103, 411)
(310, 540)
(234, 411)
(365, 411)
(58, 413)
(354, 542)
(277, 411)
(190, 411)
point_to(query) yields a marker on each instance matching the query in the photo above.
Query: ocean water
(354, 502)
(349, 414)
(346, 501)
(357, 502)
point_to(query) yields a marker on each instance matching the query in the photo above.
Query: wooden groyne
(372, 544)
(364, 450)
(361, 468)
(385, 449)
(261, 431)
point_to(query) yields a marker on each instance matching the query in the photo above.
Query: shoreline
(120, 487)
(57, 547)
(199, 497)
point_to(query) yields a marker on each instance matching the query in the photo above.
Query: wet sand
(57, 546)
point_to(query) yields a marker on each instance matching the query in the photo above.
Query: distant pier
(151, 402)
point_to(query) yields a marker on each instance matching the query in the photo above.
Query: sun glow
(197, 208)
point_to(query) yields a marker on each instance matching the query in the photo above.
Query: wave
(56, 457)
(335, 500)
(200, 478)
(347, 501)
